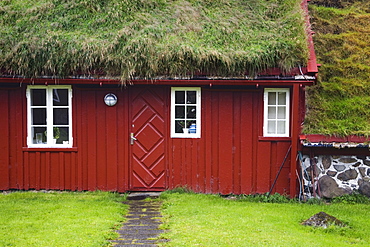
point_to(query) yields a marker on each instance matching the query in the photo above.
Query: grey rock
(339, 168)
(329, 188)
(362, 171)
(326, 161)
(347, 160)
(323, 220)
(331, 173)
(357, 164)
(367, 162)
(348, 175)
(364, 187)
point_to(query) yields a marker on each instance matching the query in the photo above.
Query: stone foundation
(330, 176)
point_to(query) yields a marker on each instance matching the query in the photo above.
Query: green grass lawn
(210, 220)
(89, 219)
(59, 219)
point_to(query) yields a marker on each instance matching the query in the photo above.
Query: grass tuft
(354, 198)
(267, 198)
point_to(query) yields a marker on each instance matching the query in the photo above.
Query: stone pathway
(142, 225)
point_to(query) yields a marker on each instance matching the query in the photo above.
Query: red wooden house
(212, 134)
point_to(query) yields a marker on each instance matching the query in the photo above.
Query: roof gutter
(101, 82)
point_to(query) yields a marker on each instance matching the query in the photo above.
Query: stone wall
(330, 176)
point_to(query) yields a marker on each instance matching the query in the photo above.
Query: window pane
(60, 97)
(63, 137)
(281, 112)
(38, 97)
(271, 114)
(179, 125)
(180, 112)
(180, 97)
(60, 116)
(192, 127)
(191, 112)
(271, 98)
(191, 97)
(189, 123)
(271, 126)
(38, 135)
(280, 127)
(282, 98)
(39, 116)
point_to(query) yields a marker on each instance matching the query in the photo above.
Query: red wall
(231, 156)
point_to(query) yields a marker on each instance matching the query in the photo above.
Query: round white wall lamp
(110, 99)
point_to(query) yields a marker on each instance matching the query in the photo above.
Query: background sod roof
(340, 103)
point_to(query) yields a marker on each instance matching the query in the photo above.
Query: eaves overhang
(323, 141)
(263, 81)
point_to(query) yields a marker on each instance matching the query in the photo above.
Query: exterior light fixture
(110, 99)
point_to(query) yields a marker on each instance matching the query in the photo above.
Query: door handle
(132, 139)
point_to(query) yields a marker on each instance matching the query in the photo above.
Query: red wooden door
(148, 131)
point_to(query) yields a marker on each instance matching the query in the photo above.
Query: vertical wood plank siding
(101, 136)
(4, 140)
(230, 156)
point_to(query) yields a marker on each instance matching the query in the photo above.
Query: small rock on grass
(323, 220)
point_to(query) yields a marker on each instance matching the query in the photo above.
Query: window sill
(274, 139)
(50, 149)
(185, 135)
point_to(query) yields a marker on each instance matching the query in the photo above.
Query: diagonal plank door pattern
(148, 166)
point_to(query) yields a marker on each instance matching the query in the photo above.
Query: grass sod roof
(340, 103)
(150, 38)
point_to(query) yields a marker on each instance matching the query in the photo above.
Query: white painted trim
(198, 113)
(49, 116)
(287, 112)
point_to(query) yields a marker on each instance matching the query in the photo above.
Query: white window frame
(198, 112)
(49, 117)
(276, 119)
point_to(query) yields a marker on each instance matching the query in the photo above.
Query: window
(49, 116)
(276, 112)
(185, 112)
